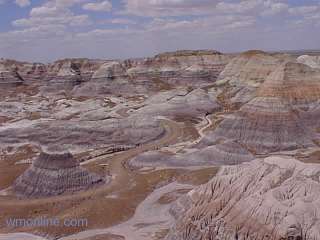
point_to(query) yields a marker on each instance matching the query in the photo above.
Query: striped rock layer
(283, 114)
(54, 174)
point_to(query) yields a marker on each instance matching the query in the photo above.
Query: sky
(46, 30)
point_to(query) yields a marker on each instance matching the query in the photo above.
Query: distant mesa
(227, 153)
(187, 53)
(254, 52)
(54, 174)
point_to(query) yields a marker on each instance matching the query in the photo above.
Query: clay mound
(266, 125)
(54, 174)
(275, 198)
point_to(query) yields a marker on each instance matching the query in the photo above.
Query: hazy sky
(45, 30)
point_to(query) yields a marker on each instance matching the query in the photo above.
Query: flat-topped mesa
(53, 174)
(110, 70)
(187, 58)
(292, 82)
(276, 198)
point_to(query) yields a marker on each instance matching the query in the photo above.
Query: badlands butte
(186, 145)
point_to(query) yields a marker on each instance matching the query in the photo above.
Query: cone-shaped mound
(54, 174)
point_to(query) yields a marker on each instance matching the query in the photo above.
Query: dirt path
(204, 128)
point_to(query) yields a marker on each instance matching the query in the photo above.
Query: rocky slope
(54, 174)
(273, 198)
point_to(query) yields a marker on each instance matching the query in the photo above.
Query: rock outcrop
(273, 198)
(311, 61)
(54, 174)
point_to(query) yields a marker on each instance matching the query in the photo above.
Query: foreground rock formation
(273, 198)
(54, 174)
